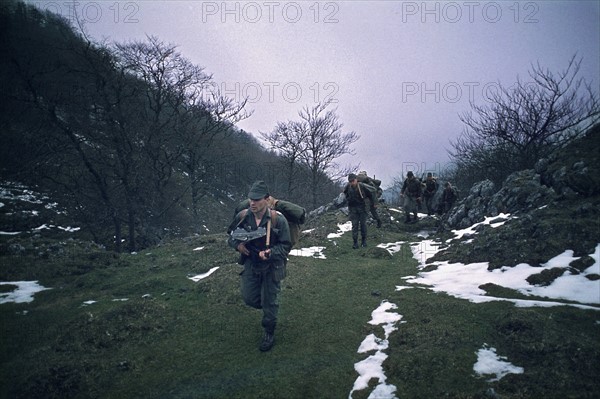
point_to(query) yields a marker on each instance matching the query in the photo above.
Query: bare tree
(182, 114)
(527, 121)
(289, 140)
(324, 142)
(212, 117)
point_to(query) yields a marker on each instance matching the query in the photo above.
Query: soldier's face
(353, 182)
(256, 206)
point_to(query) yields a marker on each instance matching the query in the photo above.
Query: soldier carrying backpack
(262, 237)
(356, 193)
(431, 187)
(411, 192)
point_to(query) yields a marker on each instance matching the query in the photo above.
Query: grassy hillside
(152, 332)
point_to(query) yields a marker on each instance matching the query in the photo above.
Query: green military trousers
(260, 290)
(358, 217)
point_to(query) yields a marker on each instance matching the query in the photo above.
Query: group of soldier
(414, 192)
(264, 257)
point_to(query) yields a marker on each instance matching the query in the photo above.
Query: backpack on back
(294, 214)
(373, 185)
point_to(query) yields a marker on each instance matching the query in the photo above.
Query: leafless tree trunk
(324, 143)
(289, 139)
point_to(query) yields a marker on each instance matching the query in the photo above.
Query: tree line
(134, 137)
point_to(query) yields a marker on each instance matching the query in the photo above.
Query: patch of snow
(372, 366)
(342, 228)
(471, 229)
(391, 247)
(23, 293)
(463, 281)
(488, 362)
(204, 275)
(314, 252)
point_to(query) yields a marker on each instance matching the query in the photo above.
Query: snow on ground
(456, 279)
(488, 220)
(15, 192)
(312, 252)
(463, 280)
(204, 275)
(342, 228)
(372, 367)
(392, 247)
(488, 362)
(23, 293)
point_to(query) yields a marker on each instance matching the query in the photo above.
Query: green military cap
(258, 190)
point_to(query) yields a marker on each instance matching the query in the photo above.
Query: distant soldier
(376, 191)
(448, 197)
(356, 193)
(431, 187)
(411, 192)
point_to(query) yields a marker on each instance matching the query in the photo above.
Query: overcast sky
(399, 72)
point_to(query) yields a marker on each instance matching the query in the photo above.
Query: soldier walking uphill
(431, 187)
(411, 192)
(448, 197)
(356, 192)
(264, 259)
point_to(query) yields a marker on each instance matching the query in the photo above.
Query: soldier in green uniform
(448, 197)
(356, 193)
(431, 187)
(264, 259)
(411, 192)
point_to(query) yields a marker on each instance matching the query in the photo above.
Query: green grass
(174, 338)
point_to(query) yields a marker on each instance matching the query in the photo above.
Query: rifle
(244, 235)
(247, 236)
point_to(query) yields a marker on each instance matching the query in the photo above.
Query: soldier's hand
(242, 249)
(264, 255)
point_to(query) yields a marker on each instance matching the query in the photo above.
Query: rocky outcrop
(571, 175)
(474, 207)
(580, 178)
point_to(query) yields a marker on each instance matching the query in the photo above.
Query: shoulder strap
(360, 191)
(272, 221)
(242, 215)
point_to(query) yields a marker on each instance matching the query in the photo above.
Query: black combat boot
(267, 342)
(355, 245)
(378, 223)
(364, 242)
(407, 219)
(415, 218)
